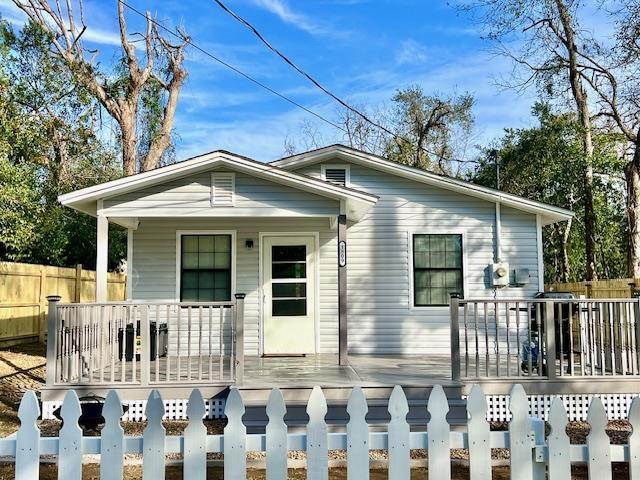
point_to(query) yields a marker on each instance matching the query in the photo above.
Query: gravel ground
(23, 368)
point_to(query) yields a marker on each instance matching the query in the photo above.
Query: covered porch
(549, 346)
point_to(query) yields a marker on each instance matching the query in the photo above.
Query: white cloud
(12, 14)
(411, 53)
(287, 15)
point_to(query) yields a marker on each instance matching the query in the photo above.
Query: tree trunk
(632, 175)
(129, 146)
(582, 105)
(564, 274)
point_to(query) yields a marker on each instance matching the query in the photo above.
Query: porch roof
(354, 203)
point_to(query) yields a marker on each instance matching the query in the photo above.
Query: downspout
(498, 249)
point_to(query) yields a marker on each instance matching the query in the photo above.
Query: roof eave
(550, 213)
(85, 200)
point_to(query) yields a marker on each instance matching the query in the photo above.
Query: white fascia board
(550, 214)
(84, 200)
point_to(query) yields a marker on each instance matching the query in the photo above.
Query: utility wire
(316, 83)
(262, 85)
(231, 67)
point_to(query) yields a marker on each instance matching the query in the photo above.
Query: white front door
(288, 289)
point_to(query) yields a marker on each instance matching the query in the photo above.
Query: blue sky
(363, 50)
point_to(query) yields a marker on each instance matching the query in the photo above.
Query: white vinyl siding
(382, 318)
(191, 197)
(154, 265)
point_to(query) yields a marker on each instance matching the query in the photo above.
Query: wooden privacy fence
(531, 454)
(23, 296)
(614, 288)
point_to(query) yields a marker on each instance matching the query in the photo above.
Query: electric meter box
(500, 274)
(521, 276)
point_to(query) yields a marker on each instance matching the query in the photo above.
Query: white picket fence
(532, 456)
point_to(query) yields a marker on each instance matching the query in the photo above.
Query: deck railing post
(239, 338)
(636, 327)
(455, 336)
(550, 338)
(52, 338)
(145, 351)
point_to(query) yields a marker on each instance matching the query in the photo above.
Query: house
(333, 266)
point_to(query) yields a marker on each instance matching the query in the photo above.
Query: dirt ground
(23, 368)
(91, 472)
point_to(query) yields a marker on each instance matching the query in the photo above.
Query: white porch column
(102, 256)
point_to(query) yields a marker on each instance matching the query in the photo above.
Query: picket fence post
(558, 442)
(153, 439)
(599, 464)
(357, 436)
(479, 435)
(28, 438)
(112, 436)
(317, 444)
(195, 438)
(70, 446)
(276, 432)
(398, 436)
(520, 435)
(439, 433)
(634, 439)
(235, 433)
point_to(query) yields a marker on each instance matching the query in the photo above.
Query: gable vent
(337, 176)
(222, 189)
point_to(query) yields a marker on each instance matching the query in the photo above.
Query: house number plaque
(342, 253)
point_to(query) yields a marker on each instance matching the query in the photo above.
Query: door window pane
(288, 308)
(205, 268)
(280, 290)
(437, 268)
(288, 253)
(289, 270)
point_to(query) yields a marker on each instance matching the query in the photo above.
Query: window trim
(337, 166)
(433, 231)
(180, 234)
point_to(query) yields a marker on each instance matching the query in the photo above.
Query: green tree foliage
(48, 146)
(544, 163)
(428, 127)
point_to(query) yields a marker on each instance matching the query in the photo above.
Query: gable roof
(549, 213)
(356, 202)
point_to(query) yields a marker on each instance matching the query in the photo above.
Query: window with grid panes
(205, 265)
(437, 268)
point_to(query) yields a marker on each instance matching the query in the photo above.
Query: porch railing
(545, 338)
(144, 343)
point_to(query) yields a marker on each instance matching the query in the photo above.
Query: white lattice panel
(175, 409)
(616, 405)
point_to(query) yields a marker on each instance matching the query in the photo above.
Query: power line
(317, 84)
(262, 85)
(231, 67)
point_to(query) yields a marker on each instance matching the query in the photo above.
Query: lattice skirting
(577, 405)
(616, 405)
(176, 409)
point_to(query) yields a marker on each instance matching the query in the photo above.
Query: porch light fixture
(248, 244)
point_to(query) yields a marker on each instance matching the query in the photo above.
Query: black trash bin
(561, 318)
(127, 342)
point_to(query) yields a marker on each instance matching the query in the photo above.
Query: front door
(289, 295)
